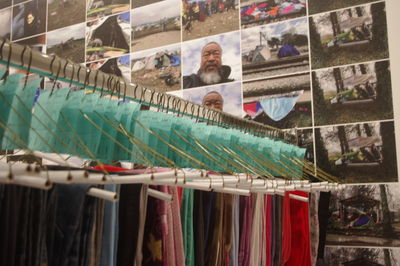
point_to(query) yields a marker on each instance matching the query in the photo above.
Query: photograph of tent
(63, 13)
(351, 256)
(5, 3)
(68, 43)
(275, 49)
(156, 25)
(349, 36)
(158, 69)
(108, 37)
(365, 215)
(260, 12)
(100, 8)
(281, 102)
(5, 21)
(229, 95)
(139, 3)
(118, 66)
(353, 93)
(201, 18)
(318, 6)
(29, 19)
(358, 153)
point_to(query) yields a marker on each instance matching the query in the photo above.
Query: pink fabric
(268, 208)
(244, 248)
(287, 10)
(250, 10)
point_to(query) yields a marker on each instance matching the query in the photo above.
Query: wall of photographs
(320, 69)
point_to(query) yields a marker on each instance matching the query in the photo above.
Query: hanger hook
(87, 75)
(8, 60)
(1, 48)
(55, 81)
(125, 88)
(71, 79)
(29, 66)
(95, 81)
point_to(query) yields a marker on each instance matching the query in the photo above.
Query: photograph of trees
(358, 153)
(365, 215)
(348, 256)
(354, 93)
(318, 6)
(353, 35)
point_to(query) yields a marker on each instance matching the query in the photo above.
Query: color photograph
(253, 13)
(358, 153)
(225, 97)
(349, 256)
(108, 37)
(100, 8)
(318, 6)
(211, 60)
(353, 93)
(37, 43)
(275, 49)
(158, 69)
(5, 21)
(139, 3)
(281, 102)
(118, 66)
(156, 25)
(29, 19)
(63, 13)
(365, 215)
(201, 18)
(5, 3)
(68, 43)
(353, 35)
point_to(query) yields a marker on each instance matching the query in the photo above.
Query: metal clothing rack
(23, 57)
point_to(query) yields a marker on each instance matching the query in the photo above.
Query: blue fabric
(279, 107)
(288, 50)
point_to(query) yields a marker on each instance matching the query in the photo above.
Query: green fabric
(187, 226)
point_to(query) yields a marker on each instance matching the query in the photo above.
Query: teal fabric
(187, 226)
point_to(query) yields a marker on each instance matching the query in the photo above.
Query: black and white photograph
(283, 102)
(5, 21)
(358, 256)
(253, 13)
(68, 43)
(353, 93)
(63, 13)
(108, 37)
(358, 153)
(158, 69)
(100, 8)
(202, 18)
(211, 60)
(156, 25)
(365, 215)
(353, 35)
(275, 49)
(29, 19)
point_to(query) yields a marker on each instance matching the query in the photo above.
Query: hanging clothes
(278, 108)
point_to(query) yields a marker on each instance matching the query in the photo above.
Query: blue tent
(288, 50)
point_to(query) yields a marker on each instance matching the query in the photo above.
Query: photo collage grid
(317, 68)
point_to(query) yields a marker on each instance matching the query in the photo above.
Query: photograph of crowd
(100, 8)
(63, 13)
(211, 60)
(353, 93)
(158, 69)
(358, 153)
(156, 25)
(282, 102)
(259, 12)
(353, 35)
(68, 43)
(201, 18)
(108, 37)
(365, 215)
(29, 19)
(275, 49)
(5, 21)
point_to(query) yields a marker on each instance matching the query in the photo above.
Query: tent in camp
(260, 54)
(111, 67)
(354, 22)
(357, 80)
(287, 50)
(111, 34)
(138, 66)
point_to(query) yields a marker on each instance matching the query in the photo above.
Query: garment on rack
(278, 108)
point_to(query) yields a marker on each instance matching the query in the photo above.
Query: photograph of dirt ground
(158, 69)
(318, 6)
(68, 43)
(353, 35)
(281, 102)
(353, 93)
(100, 8)
(63, 13)
(156, 25)
(108, 37)
(5, 21)
(365, 215)
(201, 18)
(358, 153)
(351, 256)
(29, 19)
(260, 12)
(275, 49)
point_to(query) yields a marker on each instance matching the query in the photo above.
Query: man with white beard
(211, 69)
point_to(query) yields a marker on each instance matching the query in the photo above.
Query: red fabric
(286, 229)
(250, 108)
(268, 206)
(250, 10)
(300, 254)
(180, 193)
(110, 168)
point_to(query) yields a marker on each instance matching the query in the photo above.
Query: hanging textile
(278, 108)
